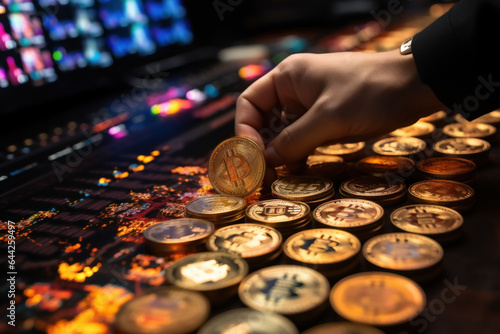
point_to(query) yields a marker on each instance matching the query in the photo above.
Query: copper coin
(399, 146)
(343, 328)
(447, 168)
(427, 219)
(441, 192)
(378, 165)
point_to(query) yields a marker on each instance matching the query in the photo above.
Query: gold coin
(435, 117)
(447, 168)
(237, 167)
(302, 188)
(349, 213)
(378, 165)
(343, 328)
(284, 289)
(207, 271)
(322, 246)
(377, 298)
(418, 129)
(346, 150)
(317, 159)
(462, 146)
(402, 251)
(441, 192)
(247, 321)
(163, 310)
(216, 206)
(469, 130)
(399, 146)
(489, 118)
(373, 188)
(278, 212)
(426, 219)
(246, 240)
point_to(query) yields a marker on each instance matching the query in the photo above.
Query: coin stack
(162, 310)
(312, 190)
(297, 292)
(360, 217)
(447, 168)
(246, 320)
(182, 235)
(343, 328)
(374, 189)
(379, 166)
(470, 130)
(331, 252)
(413, 255)
(215, 274)
(396, 299)
(437, 118)
(474, 149)
(347, 151)
(329, 166)
(222, 210)
(399, 146)
(419, 129)
(285, 216)
(437, 222)
(258, 244)
(452, 194)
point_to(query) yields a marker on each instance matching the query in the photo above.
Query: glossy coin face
(441, 191)
(399, 146)
(302, 188)
(163, 310)
(372, 187)
(418, 129)
(284, 289)
(446, 166)
(381, 164)
(236, 167)
(426, 219)
(316, 159)
(277, 211)
(216, 205)
(207, 271)
(348, 213)
(246, 240)
(341, 149)
(343, 328)
(469, 129)
(489, 118)
(437, 116)
(248, 321)
(181, 230)
(402, 251)
(462, 146)
(320, 246)
(376, 298)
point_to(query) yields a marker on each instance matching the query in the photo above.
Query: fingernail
(273, 158)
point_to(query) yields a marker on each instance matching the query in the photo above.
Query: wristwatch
(405, 48)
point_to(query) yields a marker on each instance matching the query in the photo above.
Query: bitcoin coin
(220, 209)
(377, 298)
(402, 251)
(348, 151)
(177, 235)
(489, 118)
(447, 168)
(374, 189)
(236, 167)
(379, 165)
(323, 246)
(469, 130)
(342, 328)
(418, 129)
(317, 159)
(245, 320)
(399, 146)
(438, 222)
(474, 149)
(302, 188)
(329, 166)
(289, 290)
(448, 193)
(278, 212)
(163, 310)
(435, 118)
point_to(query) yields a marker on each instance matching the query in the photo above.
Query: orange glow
(45, 297)
(251, 71)
(104, 181)
(171, 107)
(155, 153)
(141, 157)
(121, 175)
(72, 248)
(76, 272)
(189, 170)
(134, 227)
(148, 159)
(137, 168)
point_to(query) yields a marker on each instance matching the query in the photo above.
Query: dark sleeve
(457, 56)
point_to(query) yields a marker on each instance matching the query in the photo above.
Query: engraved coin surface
(207, 271)
(377, 298)
(284, 289)
(248, 321)
(343, 328)
(341, 149)
(178, 231)
(441, 192)
(399, 146)
(418, 129)
(321, 246)
(302, 188)
(447, 167)
(216, 205)
(277, 211)
(368, 186)
(379, 164)
(402, 251)
(469, 130)
(462, 146)
(348, 213)
(426, 219)
(236, 167)
(163, 310)
(247, 240)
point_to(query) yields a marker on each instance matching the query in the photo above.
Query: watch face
(406, 47)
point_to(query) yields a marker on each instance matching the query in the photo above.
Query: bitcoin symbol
(206, 271)
(319, 245)
(344, 213)
(237, 167)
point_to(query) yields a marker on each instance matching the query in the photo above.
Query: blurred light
(155, 153)
(171, 107)
(211, 91)
(251, 71)
(196, 95)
